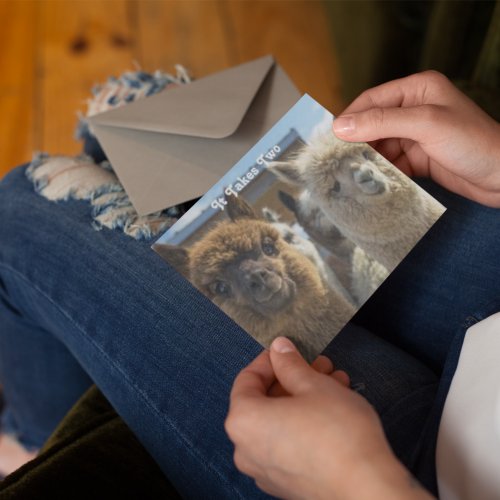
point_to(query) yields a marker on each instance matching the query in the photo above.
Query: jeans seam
(191, 448)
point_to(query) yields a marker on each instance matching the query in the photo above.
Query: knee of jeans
(13, 197)
(89, 176)
(61, 178)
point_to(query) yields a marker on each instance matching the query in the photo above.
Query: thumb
(418, 123)
(290, 368)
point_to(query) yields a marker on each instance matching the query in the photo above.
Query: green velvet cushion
(92, 454)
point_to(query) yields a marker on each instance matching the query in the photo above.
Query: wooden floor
(53, 52)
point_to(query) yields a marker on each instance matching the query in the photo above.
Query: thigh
(450, 275)
(162, 353)
(401, 388)
(40, 378)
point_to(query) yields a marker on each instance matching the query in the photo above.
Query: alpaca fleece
(365, 274)
(262, 282)
(370, 201)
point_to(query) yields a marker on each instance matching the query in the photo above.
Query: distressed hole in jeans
(64, 177)
(80, 177)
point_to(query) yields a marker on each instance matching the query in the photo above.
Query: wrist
(395, 481)
(383, 477)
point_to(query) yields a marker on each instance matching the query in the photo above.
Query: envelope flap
(211, 107)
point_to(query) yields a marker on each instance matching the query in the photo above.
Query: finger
(244, 463)
(323, 364)
(342, 377)
(409, 168)
(255, 379)
(412, 90)
(276, 391)
(290, 368)
(418, 123)
(389, 94)
(270, 488)
(390, 149)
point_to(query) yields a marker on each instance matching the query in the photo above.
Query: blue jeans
(79, 306)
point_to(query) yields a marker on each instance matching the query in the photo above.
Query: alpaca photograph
(300, 232)
(262, 281)
(360, 194)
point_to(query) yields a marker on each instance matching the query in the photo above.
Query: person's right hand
(314, 438)
(428, 128)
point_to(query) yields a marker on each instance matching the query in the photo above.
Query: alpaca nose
(367, 182)
(363, 175)
(257, 279)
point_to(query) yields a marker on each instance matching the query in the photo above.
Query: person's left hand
(301, 433)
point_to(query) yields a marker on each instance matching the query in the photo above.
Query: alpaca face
(352, 185)
(247, 268)
(354, 175)
(291, 236)
(334, 172)
(245, 265)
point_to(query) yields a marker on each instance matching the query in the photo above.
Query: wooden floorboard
(297, 33)
(191, 33)
(83, 43)
(54, 51)
(17, 83)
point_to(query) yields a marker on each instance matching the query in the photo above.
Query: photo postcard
(300, 232)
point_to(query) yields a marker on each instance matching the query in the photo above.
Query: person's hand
(322, 364)
(310, 437)
(427, 127)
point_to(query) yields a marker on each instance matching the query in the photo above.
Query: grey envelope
(173, 146)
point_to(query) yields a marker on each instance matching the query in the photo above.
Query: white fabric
(468, 447)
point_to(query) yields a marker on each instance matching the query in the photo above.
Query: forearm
(382, 479)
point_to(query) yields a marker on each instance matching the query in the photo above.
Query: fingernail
(282, 345)
(344, 125)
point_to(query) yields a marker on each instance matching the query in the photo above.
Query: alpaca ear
(176, 256)
(286, 171)
(270, 215)
(238, 208)
(288, 200)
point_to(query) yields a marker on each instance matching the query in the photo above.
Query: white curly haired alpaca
(370, 201)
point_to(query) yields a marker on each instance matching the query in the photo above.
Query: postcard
(300, 232)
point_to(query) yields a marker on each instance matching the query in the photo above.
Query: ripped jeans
(79, 306)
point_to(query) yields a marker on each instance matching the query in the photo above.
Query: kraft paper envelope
(173, 146)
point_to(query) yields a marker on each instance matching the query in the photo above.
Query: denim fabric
(78, 305)
(447, 283)
(449, 277)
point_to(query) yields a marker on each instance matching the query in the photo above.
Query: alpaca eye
(336, 188)
(220, 288)
(368, 155)
(268, 246)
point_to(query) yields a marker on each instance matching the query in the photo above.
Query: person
(322, 440)
(80, 306)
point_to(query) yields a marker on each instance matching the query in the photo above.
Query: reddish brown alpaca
(263, 283)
